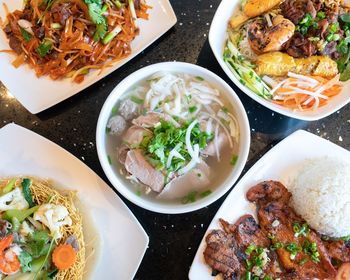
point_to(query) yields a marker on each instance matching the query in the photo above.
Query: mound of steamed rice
(321, 195)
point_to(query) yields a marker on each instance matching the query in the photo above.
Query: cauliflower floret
(53, 216)
(25, 229)
(13, 200)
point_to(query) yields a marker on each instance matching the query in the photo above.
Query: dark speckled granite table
(71, 124)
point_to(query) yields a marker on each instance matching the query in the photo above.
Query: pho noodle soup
(174, 137)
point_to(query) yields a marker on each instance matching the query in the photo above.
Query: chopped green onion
(250, 249)
(136, 99)
(114, 110)
(303, 261)
(206, 193)
(192, 109)
(234, 160)
(44, 48)
(199, 78)
(26, 35)
(321, 15)
(111, 35)
(248, 275)
(190, 198)
(109, 160)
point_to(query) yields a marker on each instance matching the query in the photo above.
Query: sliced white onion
(224, 127)
(193, 161)
(188, 138)
(174, 153)
(26, 25)
(209, 127)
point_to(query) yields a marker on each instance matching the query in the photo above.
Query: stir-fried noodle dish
(65, 39)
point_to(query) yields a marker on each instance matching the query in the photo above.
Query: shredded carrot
(303, 95)
(64, 256)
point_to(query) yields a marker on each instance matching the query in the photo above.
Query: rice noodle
(223, 126)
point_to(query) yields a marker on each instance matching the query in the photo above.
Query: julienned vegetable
(244, 72)
(45, 233)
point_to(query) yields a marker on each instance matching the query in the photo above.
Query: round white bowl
(141, 75)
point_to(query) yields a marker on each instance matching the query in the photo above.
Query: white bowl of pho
(173, 137)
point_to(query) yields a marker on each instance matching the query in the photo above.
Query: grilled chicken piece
(278, 219)
(338, 250)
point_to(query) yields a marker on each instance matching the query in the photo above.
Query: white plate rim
(279, 109)
(198, 264)
(10, 130)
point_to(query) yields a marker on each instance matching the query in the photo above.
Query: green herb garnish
(300, 229)
(26, 35)
(190, 198)
(234, 160)
(44, 48)
(109, 160)
(206, 193)
(199, 78)
(136, 99)
(192, 109)
(26, 191)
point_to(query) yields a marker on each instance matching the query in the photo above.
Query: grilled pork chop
(303, 254)
(226, 250)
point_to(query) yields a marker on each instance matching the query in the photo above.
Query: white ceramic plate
(280, 163)
(217, 40)
(38, 94)
(123, 242)
(172, 207)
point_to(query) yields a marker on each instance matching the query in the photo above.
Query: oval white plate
(217, 41)
(280, 163)
(123, 241)
(38, 94)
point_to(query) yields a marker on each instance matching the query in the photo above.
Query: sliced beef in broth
(135, 134)
(151, 119)
(198, 178)
(137, 165)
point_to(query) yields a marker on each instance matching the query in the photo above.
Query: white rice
(321, 195)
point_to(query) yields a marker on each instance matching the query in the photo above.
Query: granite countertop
(71, 124)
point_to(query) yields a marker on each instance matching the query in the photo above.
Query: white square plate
(123, 241)
(281, 164)
(38, 94)
(217, 41)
